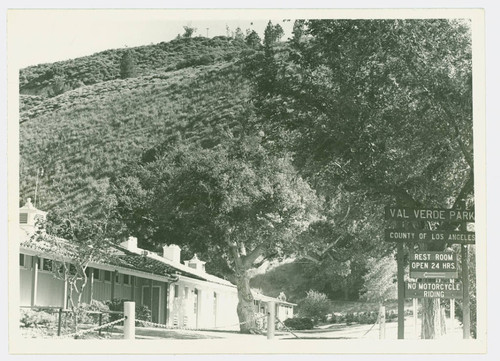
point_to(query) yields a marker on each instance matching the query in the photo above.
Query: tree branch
(310, 258)
(249, 259)
(467, 155)
(233, 247)
(467, 188)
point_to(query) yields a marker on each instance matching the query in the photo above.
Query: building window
(117, 277)
(107, 276)
(72, 269)
(97, 274)
(186, 292)
(46, 264)
(23, 218)
(126, 280)
(176, 291)
(22, 260)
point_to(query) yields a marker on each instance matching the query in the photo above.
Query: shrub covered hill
(80, 123)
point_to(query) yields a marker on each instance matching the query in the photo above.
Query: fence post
(59, 322)
(270, 320)
(381, 325)
(129, 323)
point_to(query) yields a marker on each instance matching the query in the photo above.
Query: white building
(178, 294)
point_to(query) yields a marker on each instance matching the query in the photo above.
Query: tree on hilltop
(188, 31)
(253, 39)
(127, 65)
(238, 35)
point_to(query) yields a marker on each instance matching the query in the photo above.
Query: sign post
(401, 292)
(466, 300)
(429, 265)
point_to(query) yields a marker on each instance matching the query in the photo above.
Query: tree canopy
(234, 203)
(378, 111)
(383, 106)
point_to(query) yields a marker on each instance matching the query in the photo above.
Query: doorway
(152, 302)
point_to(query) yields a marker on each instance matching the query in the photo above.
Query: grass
(150, 59)
(84, 137)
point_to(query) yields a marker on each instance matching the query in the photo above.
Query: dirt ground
(334, 331)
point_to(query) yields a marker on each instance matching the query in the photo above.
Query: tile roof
(119, 256)
(63, 248)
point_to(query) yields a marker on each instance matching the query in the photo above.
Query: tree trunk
(346, 291)
(443, 321)
(245, 309)
(431, 319)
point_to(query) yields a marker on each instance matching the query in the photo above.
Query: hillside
(77, 140)
(149, 59)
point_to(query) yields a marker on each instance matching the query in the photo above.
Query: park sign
(433, 265)
(429, 214)
(460, 237)
(434, 290)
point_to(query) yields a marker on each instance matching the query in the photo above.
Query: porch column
(132, 293)
(113, 277)
(91, 284)
(167, 300)
(151, 296)
(34, 279)
(65, 291)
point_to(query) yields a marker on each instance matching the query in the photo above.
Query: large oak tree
(235, 204)
(379, 109)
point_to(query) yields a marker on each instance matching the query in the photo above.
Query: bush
(315, 306)
(34, 318)
(127, 65)
(142, 312)
(299, 323)
(89, 313)
(349, 318)
(368, 317)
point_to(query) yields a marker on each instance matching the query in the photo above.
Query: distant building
(179, 295)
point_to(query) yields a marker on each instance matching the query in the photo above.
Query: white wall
(182, 308)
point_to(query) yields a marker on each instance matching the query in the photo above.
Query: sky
(45, 36)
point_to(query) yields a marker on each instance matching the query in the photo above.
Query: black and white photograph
(246, 181)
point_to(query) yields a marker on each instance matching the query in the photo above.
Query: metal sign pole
(466, 300)
(401, 292)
